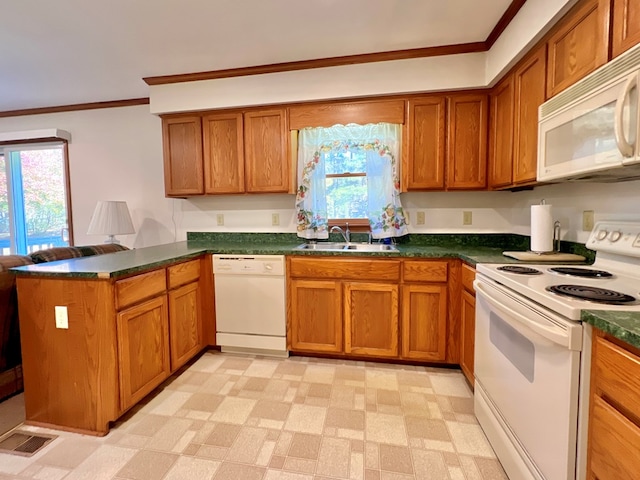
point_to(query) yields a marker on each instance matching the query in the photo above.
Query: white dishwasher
(250, 304)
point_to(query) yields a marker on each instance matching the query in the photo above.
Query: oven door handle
(547, 332)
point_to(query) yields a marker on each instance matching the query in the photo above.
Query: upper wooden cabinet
(223, 153)
(625, 26)
(579, 45)
(467, 141)
(501, 134)
(266, 162)
(425, 166)
(529, 88)
(447, 143)
(243, 153)
(182, 149)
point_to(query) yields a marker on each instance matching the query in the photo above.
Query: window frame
(6, 149)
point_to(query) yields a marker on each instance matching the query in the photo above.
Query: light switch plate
(220, 219)
(275, 219)
(467, 218)
(420, 218)
(62, 317)
(587, 220)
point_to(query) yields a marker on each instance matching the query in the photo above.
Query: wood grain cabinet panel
(424, 322)
(500, 171)
(143, 349)
(614, 410)
(182, 151)
(140, 287)
(529, 85)
(223, 153)
(626, 26)
(467, 117)
(467, 330)
(182, 273)
(315, 315)
(185, 327)
(266, 160)
(579, 45)
(371, 319)
(425, 166)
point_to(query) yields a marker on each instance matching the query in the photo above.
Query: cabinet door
(266, 161)
(501, 134)
(579, 45)
(468, 315)
(424, 322)
(143, 349)
(529, 83)
(426, 158)
(185, 326)
(467, 117)
(182, 151)
(626, 25)
(315, 316)
(223, 153)
(371, 319)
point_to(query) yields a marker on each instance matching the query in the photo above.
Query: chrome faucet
(346, 234)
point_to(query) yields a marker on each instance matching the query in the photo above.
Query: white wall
(114, 154)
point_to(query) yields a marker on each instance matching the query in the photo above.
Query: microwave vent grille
(617, 67)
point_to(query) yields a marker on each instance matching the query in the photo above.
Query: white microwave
(590, 131)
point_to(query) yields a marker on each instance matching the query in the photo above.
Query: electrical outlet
(420, 218)
(467, 218)
(275, 219)
(62, 318)
(220, 219)
(587, 220)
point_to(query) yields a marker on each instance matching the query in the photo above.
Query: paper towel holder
(556, 234)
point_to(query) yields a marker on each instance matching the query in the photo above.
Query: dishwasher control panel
(248, 265)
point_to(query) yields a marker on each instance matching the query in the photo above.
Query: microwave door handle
(626, 149)
(549, 333)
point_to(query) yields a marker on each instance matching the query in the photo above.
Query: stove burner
(581, 272)
(593, 294)
(520, 270)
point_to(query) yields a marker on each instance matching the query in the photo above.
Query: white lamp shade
(111, 218)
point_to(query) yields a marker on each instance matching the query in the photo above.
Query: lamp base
(112, 239)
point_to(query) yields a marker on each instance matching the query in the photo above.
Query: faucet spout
(345, 235)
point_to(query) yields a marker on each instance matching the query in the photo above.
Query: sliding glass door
(34, 198)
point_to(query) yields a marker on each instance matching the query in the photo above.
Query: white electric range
(532, 352)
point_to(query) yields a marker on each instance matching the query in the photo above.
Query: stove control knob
(615, 236)
(602, 234)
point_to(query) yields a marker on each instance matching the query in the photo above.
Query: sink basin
(339, 246)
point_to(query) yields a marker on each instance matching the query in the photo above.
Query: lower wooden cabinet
(468, 322)
(371, 319)
(143, 349)
(614, 410)
(424, 322)
(315, 310)
(379, 308)
(185, 327)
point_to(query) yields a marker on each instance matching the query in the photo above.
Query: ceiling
(77, 51)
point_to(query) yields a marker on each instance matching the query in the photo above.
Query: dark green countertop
(624, 326)
(131, 261)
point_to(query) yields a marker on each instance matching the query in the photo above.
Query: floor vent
(24, 443)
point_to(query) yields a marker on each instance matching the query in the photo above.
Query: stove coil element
(593, 294)
(520, 270)
(581, 272)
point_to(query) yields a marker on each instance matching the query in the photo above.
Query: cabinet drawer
(468, 276)
(614, 443)
(347, 269)
(134, 289)
(183, 273)
(425, 271)
(616, 373)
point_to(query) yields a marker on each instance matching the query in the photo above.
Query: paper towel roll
(541, 228)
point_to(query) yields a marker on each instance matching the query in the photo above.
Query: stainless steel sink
(341, 246)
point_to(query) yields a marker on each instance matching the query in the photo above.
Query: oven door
(527, 369)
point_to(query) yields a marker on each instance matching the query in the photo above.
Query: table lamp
(111, 218)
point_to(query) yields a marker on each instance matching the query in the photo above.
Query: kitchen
(130, 138)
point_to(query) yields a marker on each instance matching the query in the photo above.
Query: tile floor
(254, 418)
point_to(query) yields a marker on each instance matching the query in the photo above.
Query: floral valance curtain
(381, 144)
